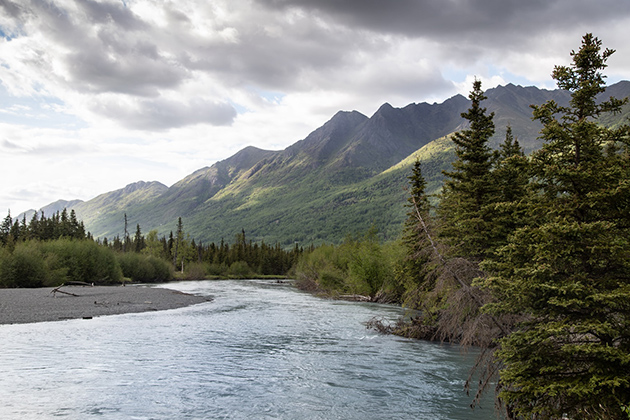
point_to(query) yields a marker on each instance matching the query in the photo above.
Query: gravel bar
(21, 306)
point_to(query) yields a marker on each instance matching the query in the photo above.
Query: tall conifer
(469, 189)
(511, 178)
(567, 273)
(412, 271)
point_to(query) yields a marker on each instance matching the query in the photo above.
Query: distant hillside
(50, 209)
(107, 210)
(342, 178)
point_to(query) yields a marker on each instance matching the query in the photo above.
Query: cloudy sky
(95, 95)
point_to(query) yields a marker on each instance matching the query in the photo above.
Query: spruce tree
(138, 240)
(179, 245)
(468, 192)
(511, 172)
(5, 228)
(511, 178)
(566, 275)
(412, 270)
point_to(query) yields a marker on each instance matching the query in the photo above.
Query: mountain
(106, 210)
(50, 209)
(342, 178)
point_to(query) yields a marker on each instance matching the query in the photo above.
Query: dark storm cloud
(135, 71)
(107, 48)
(365, 49)
(455, 18)
(116, 13)
(282, 62)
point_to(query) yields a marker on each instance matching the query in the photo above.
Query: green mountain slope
(106, 210)
(342, 178)
(319, 206)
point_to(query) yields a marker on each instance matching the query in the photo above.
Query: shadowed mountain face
(342, 178)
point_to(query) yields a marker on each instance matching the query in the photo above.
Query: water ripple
(257, 351)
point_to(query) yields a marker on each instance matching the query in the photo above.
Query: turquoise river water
(259, 350)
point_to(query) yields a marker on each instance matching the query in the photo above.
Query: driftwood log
(70, 283)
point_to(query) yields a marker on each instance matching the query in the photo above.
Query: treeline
(525, 256)
(60, 224)
(55, 250)
(49, 251)
(243, 258)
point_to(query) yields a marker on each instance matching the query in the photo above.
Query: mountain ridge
(341, 178)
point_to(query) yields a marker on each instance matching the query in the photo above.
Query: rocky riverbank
(20, 306)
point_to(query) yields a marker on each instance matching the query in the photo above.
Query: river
(259, 350)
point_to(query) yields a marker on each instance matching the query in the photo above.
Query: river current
(259, 350)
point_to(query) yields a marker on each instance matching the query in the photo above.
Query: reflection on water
(260, 350)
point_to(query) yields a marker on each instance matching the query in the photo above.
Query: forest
(50, 251)
(526, 257)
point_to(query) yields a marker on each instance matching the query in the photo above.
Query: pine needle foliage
(567, 271)
(469, 190)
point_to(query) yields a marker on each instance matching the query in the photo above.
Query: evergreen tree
(117, 244)
(153, 245)
(566, 274)
(179, 245)
(138, 240)
(16, 232)
(64, 224)
(77, 227)
(33, 227)
(468, 192)
(511, 172)
(5, 228)
(170, 244)
(126, 240)
(412, 270)
(24, 228)
(511, 178)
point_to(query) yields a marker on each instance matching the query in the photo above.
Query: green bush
(195, 271)
(323, 268)
(144, 268)
(358, 266)
(239, 269)
(84, 260)
(57, 273)
(215, 269)
(4, 255)
(24, 267)
(367, 269)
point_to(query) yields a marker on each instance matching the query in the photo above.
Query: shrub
(195, 271)
(239, 269)
(144, 268)
(23, 268)
(215, 269)
(84, 260)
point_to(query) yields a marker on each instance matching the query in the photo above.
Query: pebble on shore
(21, 306)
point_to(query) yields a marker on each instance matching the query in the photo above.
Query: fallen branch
(57, 289)
(77, 283)
(465, 287)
